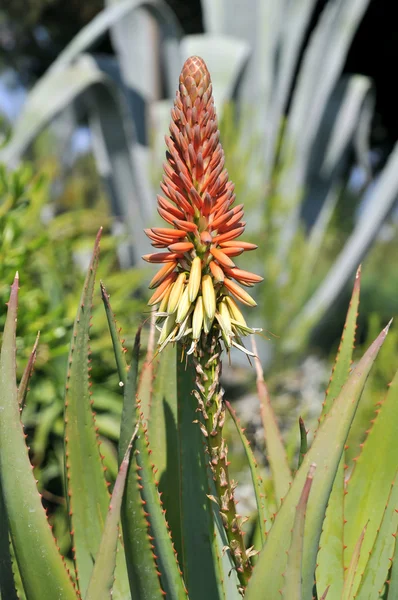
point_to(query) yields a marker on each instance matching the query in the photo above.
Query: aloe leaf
(393, 585)
(257, 481)
(352, 568)
(330, 569)
(326, 452)
(276, 452)
(7, 584)
(139, 549)
(102, 576)
(129, 416)
(198, 536)
(325, 594)
(118, 349)
(303, 442)
(170, 573)
(88, 497)
(147, 376)
(23, 384)
(342, 365)
(371, 479)
(34, 546)
(377, 567)
(293, 579)
(160, 393)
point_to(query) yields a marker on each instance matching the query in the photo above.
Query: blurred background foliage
(309, 126)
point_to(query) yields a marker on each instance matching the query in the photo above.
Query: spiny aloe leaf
(88, 497)
(342, 365)
(352, 568)
(377, 567)
(23, 384)
(7, 584)
(326, 452)
(170, 573)
(371, 479)
(201, 529)
(292, 587)
(118, 349)
(161, 387)
(303, 442)
(393, 586)
(148, 369)
(141, 566)
(102, 577)
(276, 452)
(129, 416)
(330, 569)
(325, 593)
(34, 546)
(258, 484)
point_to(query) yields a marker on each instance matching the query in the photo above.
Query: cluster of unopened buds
(196, 287)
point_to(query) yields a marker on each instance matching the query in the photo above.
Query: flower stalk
(198, 284)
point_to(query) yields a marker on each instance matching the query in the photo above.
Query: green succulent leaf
(118, 349)
(303, 442)
(88, 497)
(330, 569)
(371, 480)
(276, 452)
(152, 561)
(23, 384)
(342, 365)
(393, 587)
(258, 484)
(376, 571)
(7, 584)
(347, 593)
(102, 577)
(139, 550)
(325, 452)
(34, 546)
(202, 534)
(293, 578)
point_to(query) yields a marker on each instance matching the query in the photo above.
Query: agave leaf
(34, 546)
(23, 384)
(352, 568)
(7, 585)
(118, 349)
(258, 484)
(141, 566)
(378, 206)
(371, 480)
(102, 576)
(303, 442)
(330, 569)
(276, 452)
(296, 19)
(88, 497)
(293, 579)
(377, 567)
(326, 452)
(325, 54)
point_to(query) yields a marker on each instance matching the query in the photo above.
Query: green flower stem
(209, 394)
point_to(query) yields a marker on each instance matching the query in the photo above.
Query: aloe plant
(170, 527)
